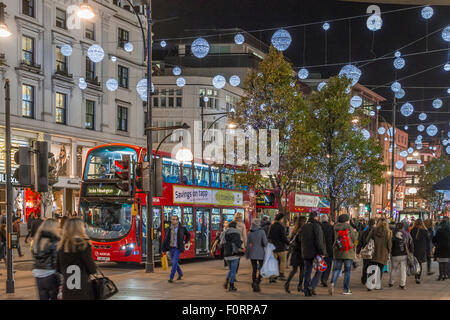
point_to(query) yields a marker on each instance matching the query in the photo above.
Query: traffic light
(123, 173)
(41, 165)
(23, 173)
(367, 207)
(142, 177)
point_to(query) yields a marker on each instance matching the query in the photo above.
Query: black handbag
(102, 286)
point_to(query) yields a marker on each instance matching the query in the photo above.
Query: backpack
(343, 241)
(368, 250)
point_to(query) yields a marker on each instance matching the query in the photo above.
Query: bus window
(201, 175)
(171, 170)
(215, 177)
(215, 219)
(188, 218)
(102, 163)
(187, 174)
(227, 178)
(169, 212)
(228, 214)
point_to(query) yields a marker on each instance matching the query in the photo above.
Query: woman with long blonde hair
(44, 251)
(382, 237)
(75, 261)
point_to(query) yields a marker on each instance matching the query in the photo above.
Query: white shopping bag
(270, 264)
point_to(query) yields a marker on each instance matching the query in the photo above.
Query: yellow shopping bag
(164, 262)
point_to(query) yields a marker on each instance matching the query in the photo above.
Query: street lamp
(85, 12)
(184, 155)
(4, 31)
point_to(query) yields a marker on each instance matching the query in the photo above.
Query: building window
(61, 61)
(213, 98)
(61, 18)
(171, 98)
(28, 50)
(123, 77)
(89, 30)
(90, 114)
(61, 107)
(28, 7)
(123, 37)
(90, 70)
(122, 118)
(27, 101)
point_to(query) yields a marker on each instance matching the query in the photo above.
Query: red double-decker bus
(114, 209)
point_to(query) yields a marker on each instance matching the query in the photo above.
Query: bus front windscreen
(106, 221)
(103, 163)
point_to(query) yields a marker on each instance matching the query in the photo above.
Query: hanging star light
(96, 53)
(66, 50)
(432, 130)
(181, 82)
(399, 63)
(326, 26)
(427, 12)
(163, 44)
(176, 71)
(128, 47)
(82, 83)
(141, 88)
(281, 40)
(410, 150)
(303, 73)
(351, 72)
(219, 81)
(374, 22)
(407, 109)
(420, 128)
(385, 139)
(239, 39)
(405, 127)
(112, 84)
(437, 103)
(397, 54)
(355, 101)
(446, 33)
(113, 59)
(447, 67)
(396, 86)
(200, 48)
(400, 94)
(235, 80)
(321, 85)
(422, 116)
(381, 130)
(292, 84)
(399, 164)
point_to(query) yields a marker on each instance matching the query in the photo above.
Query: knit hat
(343, 218)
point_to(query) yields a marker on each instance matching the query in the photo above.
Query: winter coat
(328, 234)
(296, 253)
(30, 221)
(313, 241)
(47, 257)
(420, 240)
(362, 238)
(240, 225)
(73, 266)
(232, 243)
(182, 236)
(442, 242)
(265, 226)
(277, 236)
(256, 242)
(430, 242)
(353, 235)
(35, 226)
(383, 244)
(401, 241)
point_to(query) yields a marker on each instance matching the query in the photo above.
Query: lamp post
(4, 33)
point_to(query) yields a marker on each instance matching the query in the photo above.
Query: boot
(226, 283)
(282, 277)
(257, 287)
(286, 287)
(232, 287)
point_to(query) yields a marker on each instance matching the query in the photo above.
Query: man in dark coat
(36, 224)
(175, 237)
(328, 234)
(277, 236)
(313, 244)
(265, 225)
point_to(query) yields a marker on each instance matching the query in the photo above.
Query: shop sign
(3, 178)
(103, 190)
(207, 196)
(265, 199)
(303, 200)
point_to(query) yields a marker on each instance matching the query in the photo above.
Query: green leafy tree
(434, 171)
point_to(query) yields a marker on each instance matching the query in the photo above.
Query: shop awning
(443, 185)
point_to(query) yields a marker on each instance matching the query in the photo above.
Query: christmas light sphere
(66, 50)
(422, 116)
(239, 38)
(292, 84)
(419, 161)
(381, 130)
(141, 89)
(82, 83)
(404, 154)
(446, 33)
(407, 109)
(389, 132)
(410, 150)
(112, 84)
(399, 63)
(219, 81)
(96, 53)
(397, 54)
(351, 110)
(399, 164)
(374, 22)
(321, 85)
(200, 48)
(437, 103)
(260, 74)
(400, 94)
(128, 47)
(385, 139)
(281, 40)
(419, 137)
(113, 59)
(351, 72)
(378, 107)
(181, 82)
(447, 67)
(405, 127)
(419, 146)
(372, 113)
(420, 128)
(235, 80)
(427, 12)
(432, 130)
(303, 73)
(447, 150)
(163, 44)
(176, 71)
(356, 101)
(444, 142)
(206, 99)
(366, 134)
(326, 26)
(396, 86)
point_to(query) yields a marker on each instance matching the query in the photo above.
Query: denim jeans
(326, 273)
(232, 266)
(310, 283)
(175, 256)
(337, 267)
(48, 287)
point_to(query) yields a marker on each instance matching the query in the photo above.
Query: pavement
(203, 280)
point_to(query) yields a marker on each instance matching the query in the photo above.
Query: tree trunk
(333, 207)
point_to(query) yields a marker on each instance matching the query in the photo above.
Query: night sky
(399, 29)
